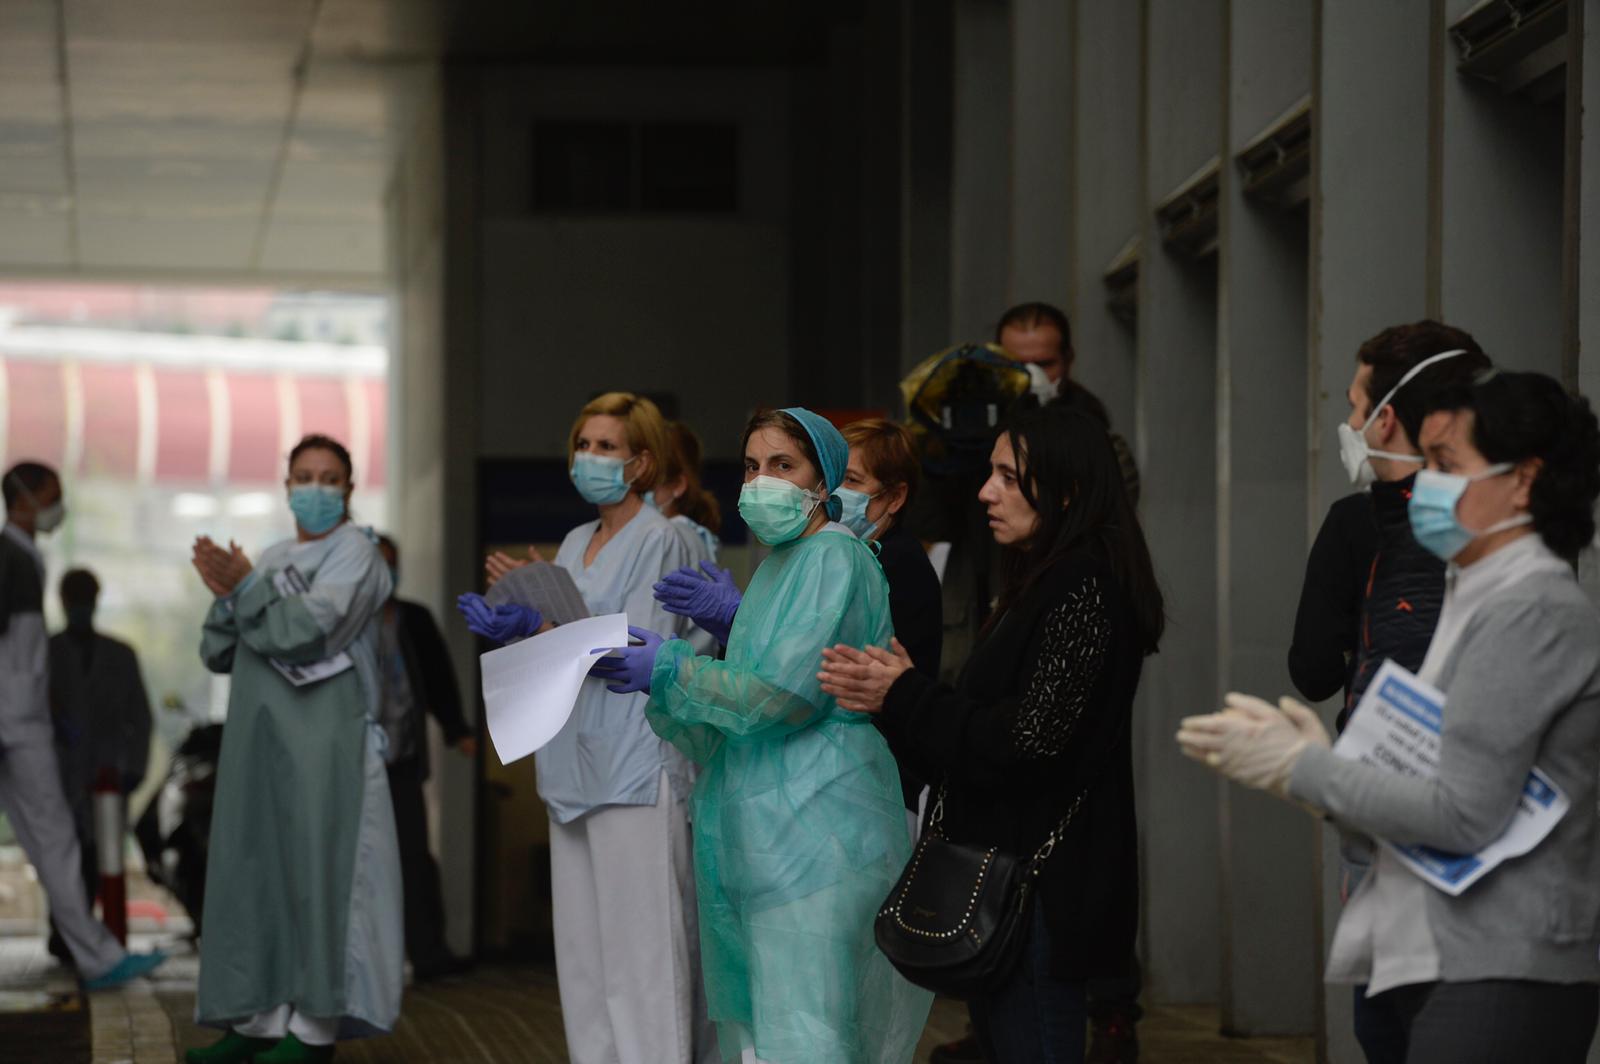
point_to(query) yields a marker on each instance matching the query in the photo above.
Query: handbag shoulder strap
(936, 817)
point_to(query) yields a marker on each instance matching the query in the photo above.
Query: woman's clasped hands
(859, 678)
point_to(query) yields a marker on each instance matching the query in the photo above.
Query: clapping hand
(500, 563)
(221, 570)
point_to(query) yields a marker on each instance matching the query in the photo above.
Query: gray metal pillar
(1370, 263)
(1270, 979)
(1177, 433)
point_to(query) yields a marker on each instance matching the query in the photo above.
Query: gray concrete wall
(1500, 203)
(1107, 202)
(980, 206)
(1042, 52)
(1270, 981)
(1177, 454)
(694, 305)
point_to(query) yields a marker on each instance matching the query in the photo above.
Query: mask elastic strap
(1391, 456)
(1405, 380)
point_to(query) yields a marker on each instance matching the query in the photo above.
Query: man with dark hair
(418, 680)
(30, 782)
(101, 716)
(1371, 592)
(1038, 334)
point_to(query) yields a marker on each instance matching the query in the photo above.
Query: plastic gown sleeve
(347, 588)
(767, 686)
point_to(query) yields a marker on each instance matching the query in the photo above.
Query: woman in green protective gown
(799, 829)
(303, 942)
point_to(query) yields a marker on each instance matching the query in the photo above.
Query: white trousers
(31, 795)
(626, 933)
(284, 1020)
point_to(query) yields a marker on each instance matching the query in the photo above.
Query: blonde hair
(643, 424)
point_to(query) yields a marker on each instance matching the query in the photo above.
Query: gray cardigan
(1523, 688)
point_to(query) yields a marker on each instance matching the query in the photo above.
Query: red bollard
(108, 831)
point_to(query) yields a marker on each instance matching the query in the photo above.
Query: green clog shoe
(293, 1051)
(231, 1048)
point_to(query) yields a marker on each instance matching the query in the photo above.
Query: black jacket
(1041, 712)
(1322, 654)
(432, 677)
(916, 604)
(1404, 593)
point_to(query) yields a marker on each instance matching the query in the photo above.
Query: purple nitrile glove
(502, 623)
(629, 667)
(709, 599)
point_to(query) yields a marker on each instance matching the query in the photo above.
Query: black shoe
(440, 968)
(962, 1051)
(1113, 1040)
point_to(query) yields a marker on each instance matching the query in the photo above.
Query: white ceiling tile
(164, 244)
(329, 247)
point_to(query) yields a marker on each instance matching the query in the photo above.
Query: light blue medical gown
(799, 826)
(607, 754)
(303, 900)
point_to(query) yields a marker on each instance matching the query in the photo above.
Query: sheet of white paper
(529, 688)
(1396, 726)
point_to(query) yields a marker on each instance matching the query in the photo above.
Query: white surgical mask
(1354, 450)
(1039, 383)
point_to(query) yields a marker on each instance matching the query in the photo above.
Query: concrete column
(980, 199)
(926, 136)
(1041, 159)
(1583, 226)
(1500, 211)
(1370, 260)
(1176, 432)
(1270, 980)
(1106, 207)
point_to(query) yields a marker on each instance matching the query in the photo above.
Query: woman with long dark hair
(1039, 720)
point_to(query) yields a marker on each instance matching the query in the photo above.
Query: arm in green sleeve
(219, 637)
(768, 685)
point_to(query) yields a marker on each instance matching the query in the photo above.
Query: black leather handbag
(956, 921)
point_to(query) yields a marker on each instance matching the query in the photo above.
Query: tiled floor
(495, 1015)
(502, 1014)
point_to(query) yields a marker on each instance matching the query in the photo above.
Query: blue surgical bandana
(317, 509)
(832, 451)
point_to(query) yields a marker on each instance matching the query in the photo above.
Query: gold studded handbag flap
(956, 920)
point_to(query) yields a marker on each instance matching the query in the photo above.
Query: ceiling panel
(334, 248)
(34, 238)
(165, 243)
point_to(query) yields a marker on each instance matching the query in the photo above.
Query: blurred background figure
(418, 680)
(30, 785)
(102, 719)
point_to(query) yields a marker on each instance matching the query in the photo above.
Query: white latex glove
(1251, 742)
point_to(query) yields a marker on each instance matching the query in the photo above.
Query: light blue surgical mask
(599, 479)
(1432, 510)
(853, 512)
(776, 510)
(316, 508)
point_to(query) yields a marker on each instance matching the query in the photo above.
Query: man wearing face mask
(30, 782)
(1371, 592)
(101, 716)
